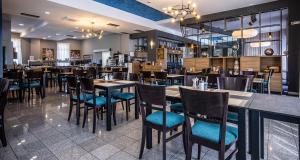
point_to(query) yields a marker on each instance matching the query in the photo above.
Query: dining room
(159, 80)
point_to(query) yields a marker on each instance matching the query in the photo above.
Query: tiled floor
(40, 130)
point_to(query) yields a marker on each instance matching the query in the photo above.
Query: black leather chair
(4, 83)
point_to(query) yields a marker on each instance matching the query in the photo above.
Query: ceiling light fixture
(182, 11)
(91, 32)
(262, 44)
(47, 12)
(247, 33)
(21, 24)
(57, 34)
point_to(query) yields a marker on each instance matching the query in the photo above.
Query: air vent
(29, 15)
(68, 35)
(66, 18)
(137, 30)
(114, 25)
(124, 33)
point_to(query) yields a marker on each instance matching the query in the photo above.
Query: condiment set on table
(199, 84)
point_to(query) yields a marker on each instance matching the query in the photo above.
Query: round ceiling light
(257, 44)
(247, 33)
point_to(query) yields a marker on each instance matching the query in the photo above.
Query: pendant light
(270, 33)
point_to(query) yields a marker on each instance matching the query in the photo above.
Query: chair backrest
(116, 70)
(87, 85)
(160, 75)
(79, 72)
(92, 72)
(72, 82)
(151, 97)
(188, 79)
(247, 73)
(233, 83)
(118, 75)
(15, 75)
(146, 74)
(212, 106)
(205, 71)
(212, 78)
(35, 75)
(134, 77)
(4, 83)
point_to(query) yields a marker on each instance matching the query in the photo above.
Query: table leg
(241, 144)
(148, 133)
(136, 104)
(108, 109)
(255, 117)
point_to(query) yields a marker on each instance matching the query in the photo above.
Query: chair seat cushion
(210, 131)
(177, 107)
(100, 101)
(33, 84)
(172, 119)
(124, 95)
(14, 87)
(81, 97)
(232, 116)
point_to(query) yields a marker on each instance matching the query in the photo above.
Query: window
(63, 53)
(17, 50)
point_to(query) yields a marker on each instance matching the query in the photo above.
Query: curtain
(63, 51)
(17, 47)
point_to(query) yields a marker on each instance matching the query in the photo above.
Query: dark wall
(1, 54)
(294, 47)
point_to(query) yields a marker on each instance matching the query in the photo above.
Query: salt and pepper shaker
(195, 82)
(201, 85)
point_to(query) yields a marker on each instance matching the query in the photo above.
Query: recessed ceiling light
(21, 24)
(47, 12)
(49, 36)
(13, 30)
(57, 34)
(74, 37)
(44, 38)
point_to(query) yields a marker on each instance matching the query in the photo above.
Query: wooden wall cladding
(189, 63)
(201, 63)
(276, 82)
(247, 63)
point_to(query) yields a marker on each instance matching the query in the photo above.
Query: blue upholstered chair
(154, 98)
(35, 79)
(209, 111)
(96, 103)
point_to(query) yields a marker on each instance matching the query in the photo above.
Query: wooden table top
(236, 98)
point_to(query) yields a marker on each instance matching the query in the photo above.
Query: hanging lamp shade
(247, 33)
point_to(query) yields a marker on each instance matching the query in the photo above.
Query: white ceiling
(205, 7)
(47, 26)
(86, 11)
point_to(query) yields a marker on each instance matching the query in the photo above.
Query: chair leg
(97, 110)
(101, 113)
(164, 145)
(142, 142)
(94, 119)
(158, 137)
(189, 151)
(199, 151)
(84, 115)
(221, 154)
(70, 110)
(114, 115)
(2, 134)
(122, 105)
(127, 108)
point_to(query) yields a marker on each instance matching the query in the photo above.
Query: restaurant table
(109, 86)
(275, 107)
(260, 82)
(173, 77)
(237, 100)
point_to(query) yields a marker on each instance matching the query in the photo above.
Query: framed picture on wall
(75, 54)
(47, 54)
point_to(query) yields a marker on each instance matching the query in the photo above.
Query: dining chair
(76, 97)
(153, 97)
(161, 78)
(34, 80)
(15, 83)
(267, 82)
(212, 80)
(96, 103)
(4, 83)
(209, 111)
(123, 96)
